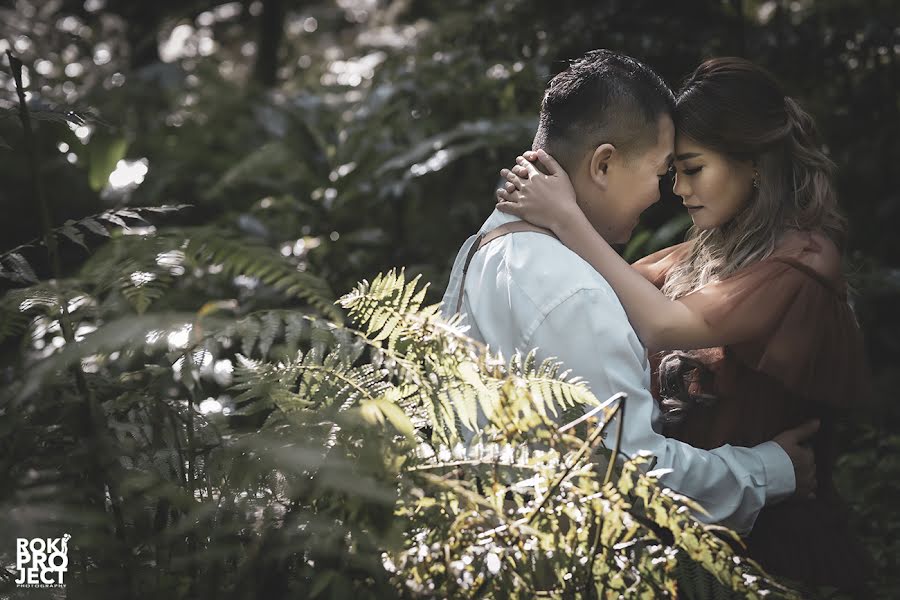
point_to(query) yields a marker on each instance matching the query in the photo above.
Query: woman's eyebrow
(688, 155)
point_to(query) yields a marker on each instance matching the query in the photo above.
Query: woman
(756, 296)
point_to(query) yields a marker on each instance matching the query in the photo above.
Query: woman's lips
(692, 208)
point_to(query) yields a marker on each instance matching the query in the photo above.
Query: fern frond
(19, 306)
(463, 381)
(140, 268)
(14, 267)
(145, 333)
(253, 260)
(385, 306)
(549, 388)
(698, 541)
(43, 110)
(273, 164)
(74, 230)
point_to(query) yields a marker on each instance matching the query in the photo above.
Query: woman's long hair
(738, 109)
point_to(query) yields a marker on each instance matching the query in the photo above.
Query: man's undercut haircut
(603, 97)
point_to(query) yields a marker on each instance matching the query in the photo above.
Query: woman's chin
(702, 224)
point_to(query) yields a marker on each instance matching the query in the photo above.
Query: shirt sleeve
(731, 483)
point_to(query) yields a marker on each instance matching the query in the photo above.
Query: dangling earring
(755, 179)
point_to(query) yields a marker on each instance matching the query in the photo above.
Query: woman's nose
(681, 188)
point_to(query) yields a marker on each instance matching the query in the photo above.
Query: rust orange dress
(792, 352)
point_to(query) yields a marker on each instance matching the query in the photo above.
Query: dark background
(374, 131)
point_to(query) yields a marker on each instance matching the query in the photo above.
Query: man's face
(613, 202)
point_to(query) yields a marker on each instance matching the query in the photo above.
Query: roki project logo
(42, 562)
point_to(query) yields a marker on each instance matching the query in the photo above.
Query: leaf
(94, 227)
(321, 583)
(115, 219)
(396, 416)
(635, 245)
(124, 212)
(668, 233)
(20, 268)
(103, 153)
(165, 208)
(435, 152)
(68, 229)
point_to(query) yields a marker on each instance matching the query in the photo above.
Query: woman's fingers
(553, 167)
(520, 171)
(527, 164)
(509, 208)
(515, 180)
(504, 197)
(505, 205)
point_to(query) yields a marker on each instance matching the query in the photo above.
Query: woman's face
(713, 187)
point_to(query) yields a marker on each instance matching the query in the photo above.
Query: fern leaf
(19, 269)
(69, 231)
(93, 226)
(240, 258)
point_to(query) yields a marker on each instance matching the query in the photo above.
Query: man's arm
(589, 332)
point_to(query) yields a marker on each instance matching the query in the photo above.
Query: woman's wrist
(569, 223)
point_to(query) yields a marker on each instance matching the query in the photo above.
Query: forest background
(355, 136)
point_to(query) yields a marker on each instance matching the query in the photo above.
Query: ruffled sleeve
(787, 317)
(655, 267)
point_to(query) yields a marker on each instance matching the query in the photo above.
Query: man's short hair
(603, 97)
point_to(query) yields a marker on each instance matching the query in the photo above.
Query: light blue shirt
(527, 290)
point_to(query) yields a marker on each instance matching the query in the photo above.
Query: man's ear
(599, 164)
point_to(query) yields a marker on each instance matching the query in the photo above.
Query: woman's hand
(543, 200)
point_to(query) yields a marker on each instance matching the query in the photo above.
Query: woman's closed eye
(691, 171)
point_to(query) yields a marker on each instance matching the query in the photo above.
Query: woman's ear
(598, 168)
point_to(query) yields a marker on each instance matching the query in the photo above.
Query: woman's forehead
(687, 146)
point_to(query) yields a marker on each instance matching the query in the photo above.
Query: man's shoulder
(546, 270)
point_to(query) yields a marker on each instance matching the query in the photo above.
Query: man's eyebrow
(688, 155)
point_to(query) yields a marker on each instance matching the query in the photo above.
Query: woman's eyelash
(693, 171)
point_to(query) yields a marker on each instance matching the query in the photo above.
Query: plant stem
(619, 426)
(90, 423)
(588, 445)
(37, 189)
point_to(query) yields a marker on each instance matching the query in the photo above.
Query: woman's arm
(661, 323)
(548, 201)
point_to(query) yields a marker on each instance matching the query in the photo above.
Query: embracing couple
(737, 348)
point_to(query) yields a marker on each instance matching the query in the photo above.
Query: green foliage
(378, 148)
(337, 484)
(103, 153)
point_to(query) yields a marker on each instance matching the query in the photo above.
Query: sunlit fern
(353, 409)
(238, 257)
(18, 307)
(15, 267)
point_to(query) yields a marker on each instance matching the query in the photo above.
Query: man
(608, 120)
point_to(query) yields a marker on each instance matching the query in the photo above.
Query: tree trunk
(271, 32)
